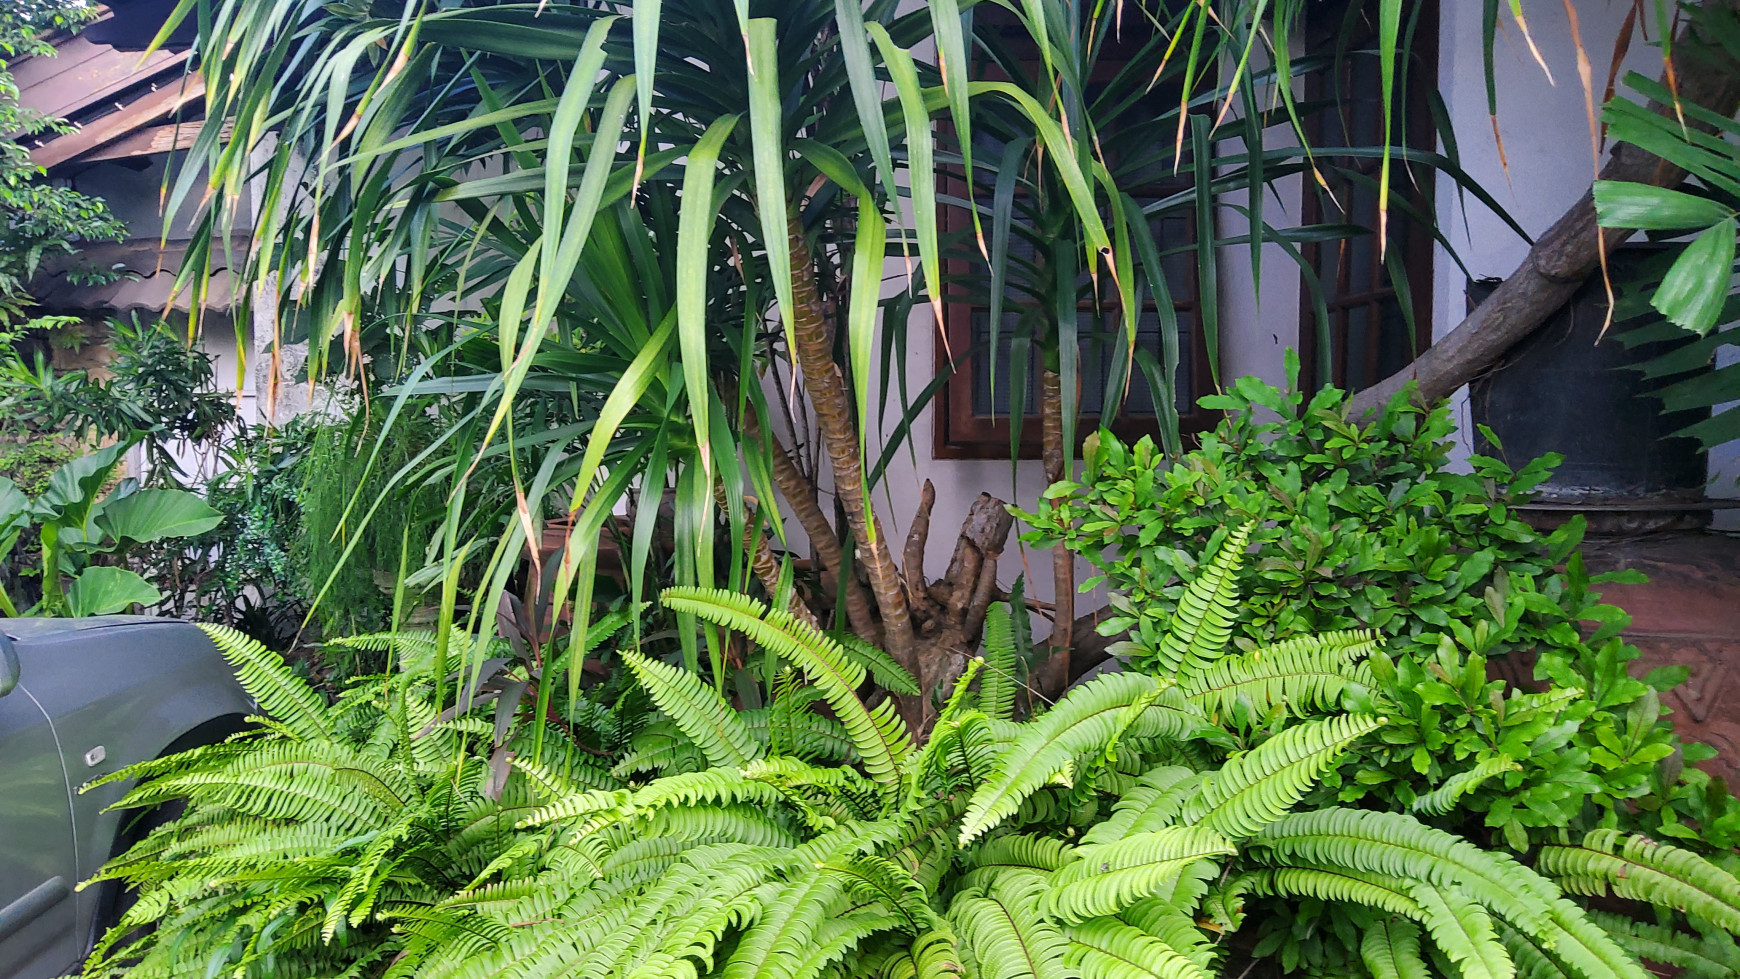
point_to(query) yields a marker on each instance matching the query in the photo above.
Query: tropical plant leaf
(104, 591)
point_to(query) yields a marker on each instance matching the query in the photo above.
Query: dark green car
(80, 698)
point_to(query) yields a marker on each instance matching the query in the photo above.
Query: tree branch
(1570, 251)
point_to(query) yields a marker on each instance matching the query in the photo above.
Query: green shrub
(1361, 525)
(30, 461)
(157, 388)
(245, 571)
(1118, 834)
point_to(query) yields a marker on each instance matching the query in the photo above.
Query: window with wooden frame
(973, 410)
(1377, 308)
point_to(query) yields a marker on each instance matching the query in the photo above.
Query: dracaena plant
(608, 239)
(1691, 288)
(602, 225)
(1124, 832)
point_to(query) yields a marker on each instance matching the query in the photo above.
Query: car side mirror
(8, 665)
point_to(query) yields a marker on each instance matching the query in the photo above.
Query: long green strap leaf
(866, 91)
(867, 256)
(1062, 155)
(1389, 26)
(587, 202)
(694, 248)
(570, 113)
(634, 383)
(920, 162)
(646, 54)
(951, 57)
(767, 136)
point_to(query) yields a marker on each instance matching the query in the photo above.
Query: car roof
(29, 630)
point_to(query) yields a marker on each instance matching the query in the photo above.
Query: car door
(38, 861)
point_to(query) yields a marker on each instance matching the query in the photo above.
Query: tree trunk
(1565, 256)
(957, 604)
(1053, 456)
(839, 430)
(800, 495)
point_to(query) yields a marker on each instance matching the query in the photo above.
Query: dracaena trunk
(801, 495)
(840, 435)
(1062, 561)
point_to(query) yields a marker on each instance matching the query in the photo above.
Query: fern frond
(1391, 950)
(1462, 930)
(1253, 789)
(800, 733)
(888, 674)
(1004, 931)
(662, 748)
(1083, 722)
(839, 937)
(872, 879)
(1302, 672)
(1641, 869)
(997, 684)
(787, 927)
(1401, 846)
(1016, 851)
(1105, 948)
(1531, 959)
(414, 649)
(931, 955)
(1385, 893)
(697, 710)
(264, 675)
(1152, 803)
(1107, 878)
(1443, 798)
(1202, 623)
(1178, 930)
(587, 803)
(1713, 955)
(878, 734)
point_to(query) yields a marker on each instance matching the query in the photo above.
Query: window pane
(993, 400)
(1395, 340)
(1099, 342)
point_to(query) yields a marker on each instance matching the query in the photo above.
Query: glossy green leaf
(106, 590)
(1622, 204)
(1694, 290)
(155, 514)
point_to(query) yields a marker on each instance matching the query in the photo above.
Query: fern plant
(1119, 833)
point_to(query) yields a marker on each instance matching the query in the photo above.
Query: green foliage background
(1363, 525)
